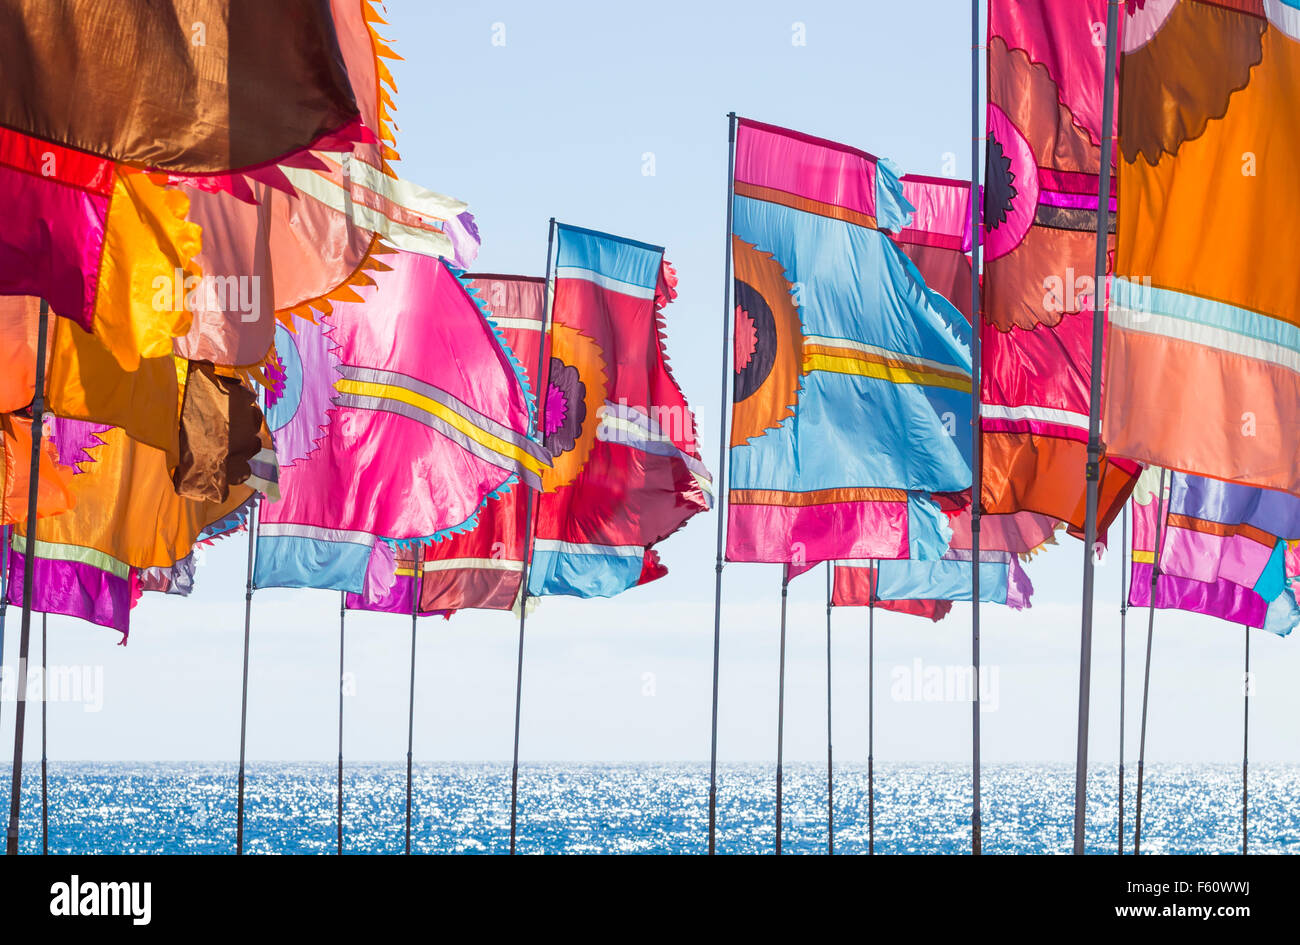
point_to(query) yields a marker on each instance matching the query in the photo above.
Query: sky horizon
(615, 119)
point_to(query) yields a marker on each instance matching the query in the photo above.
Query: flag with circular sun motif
(1041, 196)
(851, 385)
(626, 469)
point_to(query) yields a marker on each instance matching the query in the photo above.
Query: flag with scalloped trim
(626, 469)
(1041, 197)
(395, 418)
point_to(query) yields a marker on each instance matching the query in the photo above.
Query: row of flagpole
(416, 581)
(780, 710)
(1090, 540)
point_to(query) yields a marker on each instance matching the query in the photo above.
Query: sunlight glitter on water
(646, 808)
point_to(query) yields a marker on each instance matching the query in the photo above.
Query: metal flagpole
(45, 704)
(243, 706)
(4, 593)
(410, 705)
(343, 611)
(1146, 677)
(1123, 655)
(1093, 468)
(830, 761)
(780, 712)
(1245, 742)
(871, 714)
(29, 547)
(542, 383)
(976, 465)
(722, 479)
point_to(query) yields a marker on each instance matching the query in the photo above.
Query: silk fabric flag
(90, 237)
(396, 418)
(482, 568)
(1002, 579)
(851, 378)
(53, 495)
(395, 594)
(1219, 529)
(1204, 374)
(855, 587)
(220, 427)
(126, 517)
(190, 86)
(306, 233)
(178, 579)
(1045, 81)
(1230, 570)
(626, 469)
(937, 239)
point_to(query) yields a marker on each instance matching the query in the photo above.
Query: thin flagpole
(976, 464)
(1245, 743)
(542, 383)
(830, 759)
(1123, 654)
(722, 480)
(871, 715)
(25, 628)
(780, 713)
(45, 704)
(410, 704)
(1093, 468)
(4, 592)
(243, 705)
(1146, 676)
(343, 612)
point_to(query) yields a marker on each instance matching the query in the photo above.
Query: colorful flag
(1213, 561)
(937, 239)
(178, 579)
(1045, 66)
(1002, 579)
(1204, 370)
(396, 418)
(126, 517)
(91, 238)
(396, 574)
(198, 87)
(220, 427)
(851, 387)
(480, 568)
(304, 234)
(855, 587)
(53, 495)
(626, 469)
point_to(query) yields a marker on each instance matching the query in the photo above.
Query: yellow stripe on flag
(444, 413)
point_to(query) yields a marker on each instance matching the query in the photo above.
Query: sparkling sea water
(141, 807)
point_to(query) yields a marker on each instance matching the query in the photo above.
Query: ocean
(144, 807)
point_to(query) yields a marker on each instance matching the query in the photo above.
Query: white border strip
(1065, 418)
(605, 282)
(574, 548)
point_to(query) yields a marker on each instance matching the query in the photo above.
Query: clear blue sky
(558, 122)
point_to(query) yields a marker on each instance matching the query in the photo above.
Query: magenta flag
(397, 418)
